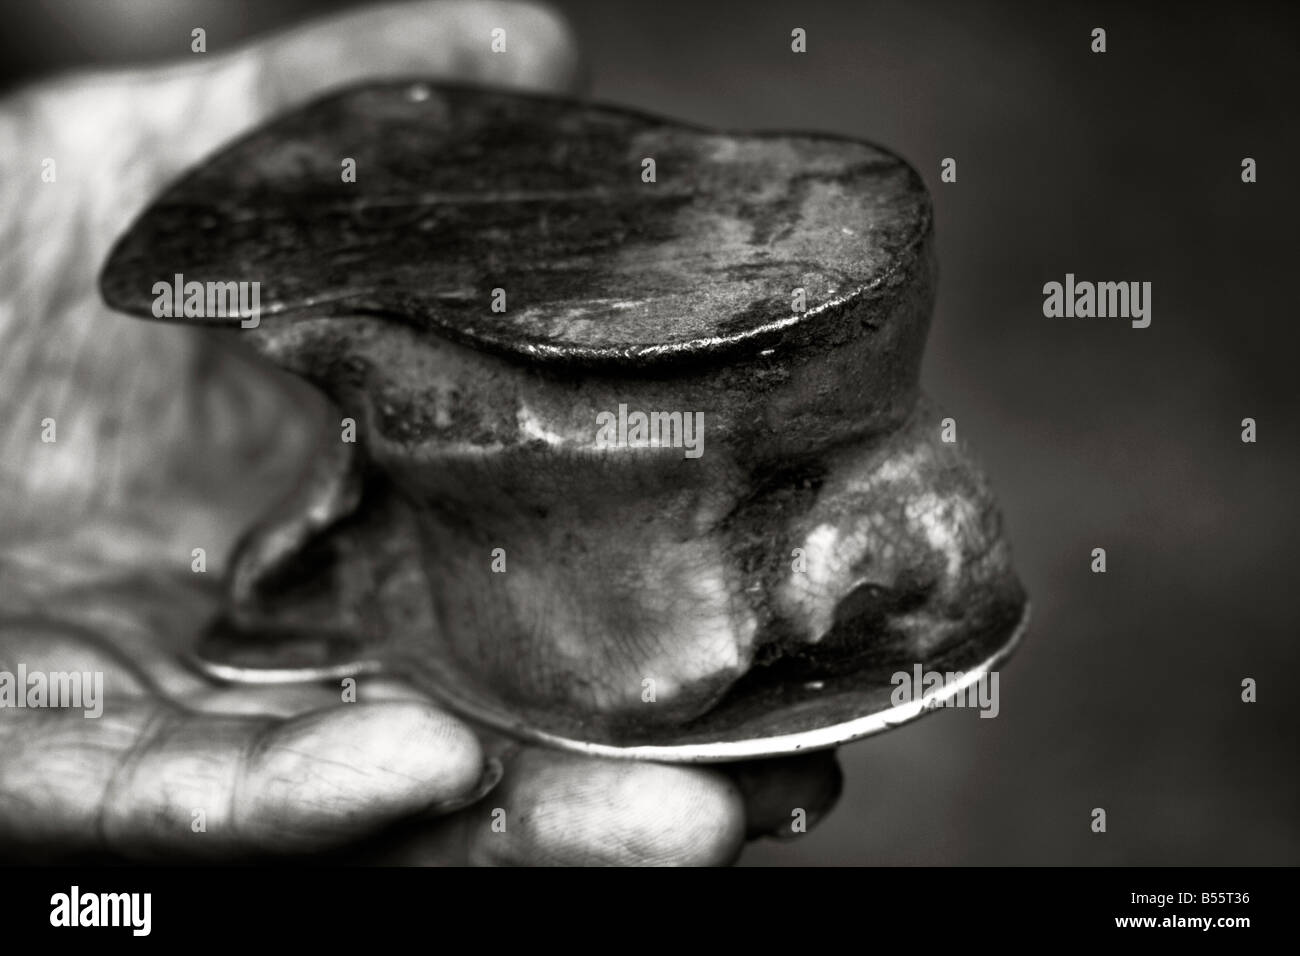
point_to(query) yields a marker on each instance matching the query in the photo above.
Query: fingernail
(493, 771)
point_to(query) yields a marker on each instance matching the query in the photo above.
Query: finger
(444, 39)
(559, 809)
(118, 134)
(166, 117)
(787, 796)
(116, 137)
(149, 780)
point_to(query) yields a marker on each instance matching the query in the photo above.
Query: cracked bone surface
(487, 537)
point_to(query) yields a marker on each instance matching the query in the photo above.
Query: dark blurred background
(1122, 166)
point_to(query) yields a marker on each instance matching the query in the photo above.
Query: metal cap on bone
(779, 286)
(460, 191)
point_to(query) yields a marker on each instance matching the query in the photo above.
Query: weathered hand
(165, 440)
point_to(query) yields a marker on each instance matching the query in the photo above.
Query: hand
(166, 440)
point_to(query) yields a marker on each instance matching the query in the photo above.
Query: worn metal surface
(824, 539)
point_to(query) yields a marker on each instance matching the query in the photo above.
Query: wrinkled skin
(166, 442)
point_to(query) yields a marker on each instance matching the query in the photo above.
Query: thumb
(116, 138)
(121, 134)
(493, 43)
